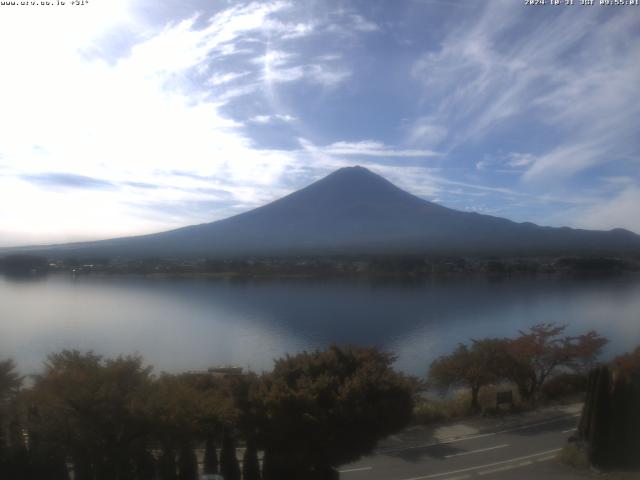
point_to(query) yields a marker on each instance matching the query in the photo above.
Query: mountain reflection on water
(189, 323)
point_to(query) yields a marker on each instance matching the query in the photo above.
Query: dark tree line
(23, 265)
(113, 419)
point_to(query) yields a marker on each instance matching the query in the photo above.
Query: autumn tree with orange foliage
(528, 361)
(629, 363)
(542, 350)
(472, 367)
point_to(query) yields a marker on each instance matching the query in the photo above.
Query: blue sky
(132, 116)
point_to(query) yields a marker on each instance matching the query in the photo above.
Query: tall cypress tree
(250, 464)
(82, 468)
(229, 467)
(16, 464)
(187, 464)
(601, 421)
(210, 462)
(145, 465)
(167, 465)
(610, 420)
(274, 467)
(50, 465)
(268, 470)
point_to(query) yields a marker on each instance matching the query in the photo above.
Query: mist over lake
(188, 323)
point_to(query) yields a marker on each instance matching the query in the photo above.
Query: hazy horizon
(127, 117)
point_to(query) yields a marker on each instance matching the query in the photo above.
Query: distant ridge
(355, 211)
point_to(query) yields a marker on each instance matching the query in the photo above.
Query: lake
(189, 323)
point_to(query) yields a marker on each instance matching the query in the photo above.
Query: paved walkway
(471, 426)
(510, 447)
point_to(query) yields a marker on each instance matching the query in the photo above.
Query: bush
(564, 386)
(428, 410)
(571, 454)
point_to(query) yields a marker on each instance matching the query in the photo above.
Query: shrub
(429, 410)
(564, 386)
(571, 454)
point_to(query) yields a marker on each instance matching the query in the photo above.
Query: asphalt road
(524, 452)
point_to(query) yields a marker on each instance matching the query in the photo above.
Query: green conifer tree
(229, 467)
(250, 464)
(188, 464)
(210, 462)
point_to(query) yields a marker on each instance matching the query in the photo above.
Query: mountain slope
(353, 210)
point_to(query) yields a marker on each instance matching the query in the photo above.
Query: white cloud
(280, 67)
(162, 105)
(419, 181)
(223, 78)
(264, 119)
(581, 84)
(274, 58)
(426, 131)
(124, 121)
(371, 148)
(325, 75)
(231, 93)
(358, 22)
(289, 31)
(619, 211)
(288, 74)
(566, 160)
(513, 162)
(346, 24)
(329, 57)
(517, 159)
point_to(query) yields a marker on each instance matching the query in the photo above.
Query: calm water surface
(181, 323)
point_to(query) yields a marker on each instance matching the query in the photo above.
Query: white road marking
(473, 437)
(569, 430)
(480, 467)
(476, 451)
(361, 469)
(505, 468)
(546, 459)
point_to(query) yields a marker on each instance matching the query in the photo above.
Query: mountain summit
(354, 210)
